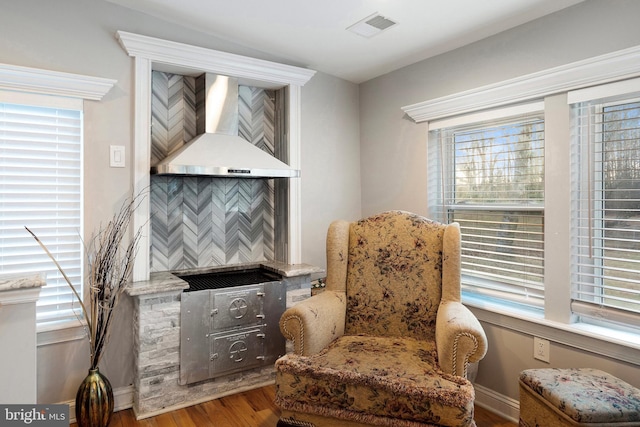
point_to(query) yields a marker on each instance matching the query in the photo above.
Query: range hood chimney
(219, 151)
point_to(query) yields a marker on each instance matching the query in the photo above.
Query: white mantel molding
(199, 58)
(150, 53)
(20, 289)
(606, 68)
(19, 296)
(34, 80)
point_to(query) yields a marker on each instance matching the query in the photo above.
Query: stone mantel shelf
(165, 281)
(13, 282)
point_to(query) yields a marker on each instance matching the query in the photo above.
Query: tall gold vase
(94, 401)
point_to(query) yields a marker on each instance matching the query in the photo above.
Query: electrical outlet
(541, 349)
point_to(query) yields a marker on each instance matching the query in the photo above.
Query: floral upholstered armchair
(388, 342)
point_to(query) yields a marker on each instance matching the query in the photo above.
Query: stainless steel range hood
(219, 151)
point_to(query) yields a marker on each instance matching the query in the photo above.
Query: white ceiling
(313, 33)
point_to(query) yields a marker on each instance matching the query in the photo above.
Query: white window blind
(606, 210)
(41, 182)
(492, 183)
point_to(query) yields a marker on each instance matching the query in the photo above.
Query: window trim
(553, 86)
(618, 65)
(584, 337)
(46, 82)
(21, 84)
(556, 323)
(485, 116)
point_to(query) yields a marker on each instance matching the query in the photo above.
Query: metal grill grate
(227, 279)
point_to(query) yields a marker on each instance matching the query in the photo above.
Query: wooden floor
(253, 408)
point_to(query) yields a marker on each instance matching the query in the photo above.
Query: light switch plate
(116, 156)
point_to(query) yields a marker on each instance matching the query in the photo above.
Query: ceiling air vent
(371, 25)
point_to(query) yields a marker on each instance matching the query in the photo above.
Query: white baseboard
(122, 399)
(497, 403)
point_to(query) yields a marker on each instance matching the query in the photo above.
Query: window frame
(442, 201)
(557, 322)
(587, 168)
(554, 86)
(53, 103)
(20, 83)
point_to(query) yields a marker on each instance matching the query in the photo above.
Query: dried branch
(110, 269)
(73, 288)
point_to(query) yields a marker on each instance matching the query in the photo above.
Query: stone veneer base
(157, 371)
(204, 396)
(156, 323)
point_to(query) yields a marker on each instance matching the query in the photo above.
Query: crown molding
(45, 82)
(606, 68)
(214, 61)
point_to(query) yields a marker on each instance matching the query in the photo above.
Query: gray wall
(331, 161)
(393, 148)
(78, 36)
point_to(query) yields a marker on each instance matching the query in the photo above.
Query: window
(487, 172)
(606, 211)
(590, 223)
(41, 183)
(492, 184)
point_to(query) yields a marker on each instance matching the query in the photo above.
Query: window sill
(621, 345)
(70, 330)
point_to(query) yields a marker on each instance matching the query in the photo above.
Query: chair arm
(313, 323)
(460, 339)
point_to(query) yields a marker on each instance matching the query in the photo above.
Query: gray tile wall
(202, 221)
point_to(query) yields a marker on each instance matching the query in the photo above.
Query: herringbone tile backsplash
(206, 221)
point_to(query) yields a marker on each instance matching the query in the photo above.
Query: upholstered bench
(576, 397)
